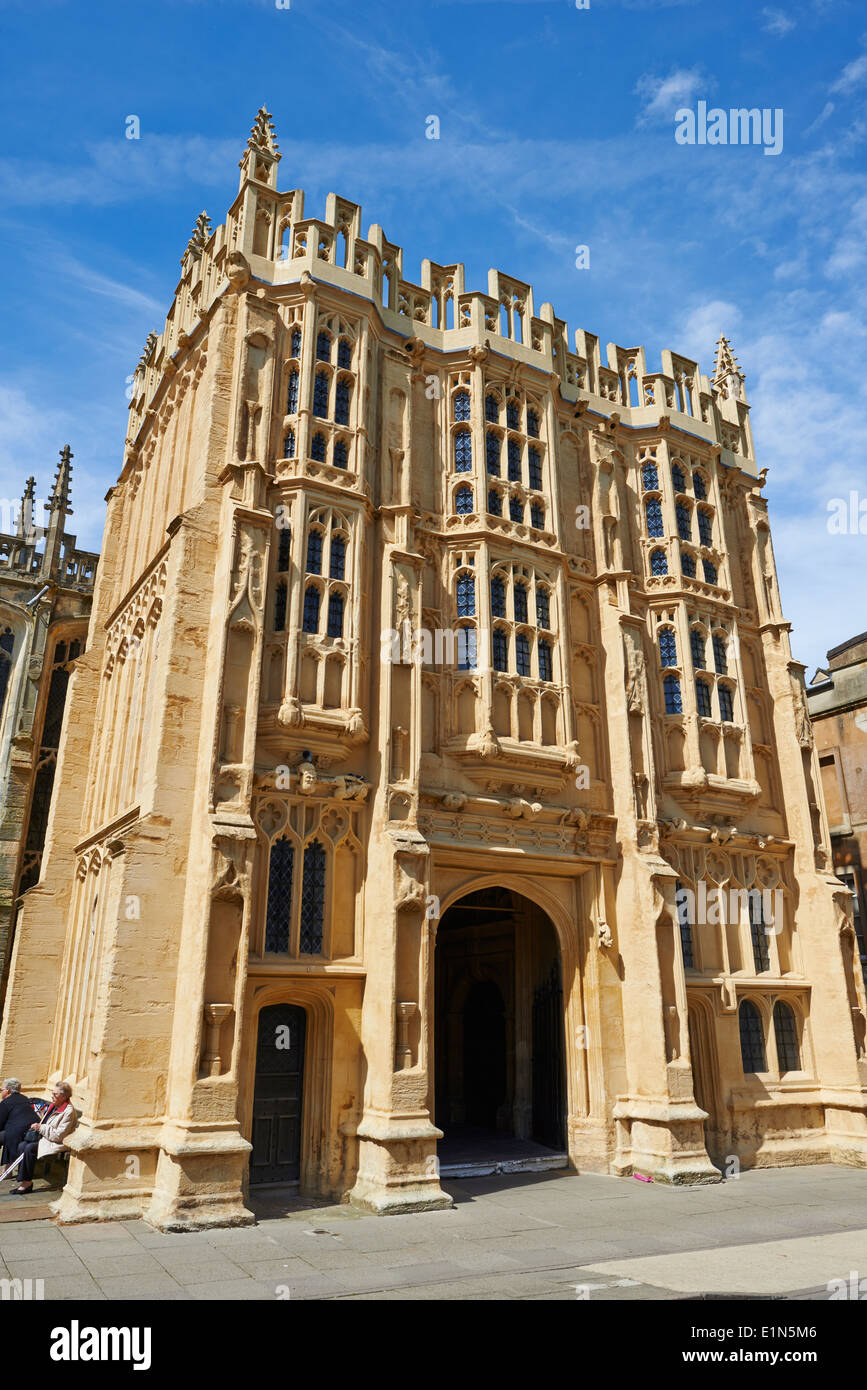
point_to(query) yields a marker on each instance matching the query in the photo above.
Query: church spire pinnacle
(24, 528)
(59, 499)
(262, 135)
(727, 376)
(261, 157)
(199, 238)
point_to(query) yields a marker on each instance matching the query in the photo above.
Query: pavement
(769, 1233)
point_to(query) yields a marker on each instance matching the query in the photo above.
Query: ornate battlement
(267, 240)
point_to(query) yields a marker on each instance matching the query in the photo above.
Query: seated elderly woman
(46, 1137)
(16, 1117)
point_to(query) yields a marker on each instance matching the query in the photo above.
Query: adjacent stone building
(46, 589)
(436, 676)
(837, 699)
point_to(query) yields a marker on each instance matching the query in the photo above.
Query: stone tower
(46, 587)
(436, 685)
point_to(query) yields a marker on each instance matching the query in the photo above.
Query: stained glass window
(513, 413)
(466, 596)
(545, 662)
(684, 521)
(702, 699)
(492, 409)
(462, 405)
(533, 424)
(658, 562)
(667, 647)
(323, 347)
(519, 603)
(752, 1038)
(650, 477)
(340, 455)
(681, 900)
(498, 598)
(758, 934)
(671, 690)
(320, 395)
(514, 457)
(318, 447)
(495, 503)
(310, 620)
(698, 486)
(466, 649)
(720, 656)
(312, 900)
(289, 445)
(314, 552)
(786, 1034)
(284, 545)
(344, 353)
(705, 527)
(492, 453)
(653, 513)
(696, 643)
(678, 478)
(296, 342)
(292, 393)
(543, 608)
(335, 615)
(710, 574)
(501, 650)
(687, 566)
(534, 465)
(463, 451)
(516, 509)
(280, 608)
(726, 704)
(337, 566)
(279, 910)
(522, 654)
(341, 401)
(537, 516)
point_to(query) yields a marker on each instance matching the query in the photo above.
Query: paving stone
(137, 1286)
(230, 1290)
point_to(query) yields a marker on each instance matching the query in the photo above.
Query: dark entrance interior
(276, 1139)
(499, 1023)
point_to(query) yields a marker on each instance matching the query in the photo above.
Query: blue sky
(556, 129)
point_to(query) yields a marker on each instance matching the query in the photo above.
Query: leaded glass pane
(279, 910)
(752, 1038)
(312, 900)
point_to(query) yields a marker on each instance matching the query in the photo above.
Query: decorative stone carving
(604, 938)
(403, 1052)
(215, 1017)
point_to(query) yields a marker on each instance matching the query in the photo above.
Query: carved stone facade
(430, 653)
(46, 589)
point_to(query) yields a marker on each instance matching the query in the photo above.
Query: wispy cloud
(663, 96)
(853, 75)
(777, 22)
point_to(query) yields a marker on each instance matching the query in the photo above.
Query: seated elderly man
(46, 1137)
(16, 1117)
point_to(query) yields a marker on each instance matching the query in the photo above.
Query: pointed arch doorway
(500, 1083)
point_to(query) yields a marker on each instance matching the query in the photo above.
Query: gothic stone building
(430, 652)
(46, 589)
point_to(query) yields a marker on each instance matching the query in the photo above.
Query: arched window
(702, 698)
(312, 900)
(658, 562)
(284, 545)
(705, 526)
(323, 347)
(720, 655)
(681, 901)
(340, 454)
(310, 620)
(495, 503)
(296, 342)
(752, 1038)
(466, 596)
(501, 650)
(466, 649)
(684, 521)
(534, 467)
(522, 654)
(464, 501)
(342, 397)
(279, 911)
(726, 705)
(492, 409)
(289, 445)
(320, 395)
(498, 598)
(318, 448)
(533, 424)
(678, 478)
(292, 393)
(513, 413)
(516, 510)
(671, 691)
(687, 566)
(335, 615)
(513, 452)
(280, 608)
(696, 643)
(653, 515)
(543, 608)
(759, 933)
(546, 665)
(710, 575)
(786, 1035)
(337, 562)
(344, 353)
(463, 451)
(667, 647)
(492, 453)
(462, 405)
(537, 516)
(314, 552)
(698, 486)
(649, 477)
(519, 603)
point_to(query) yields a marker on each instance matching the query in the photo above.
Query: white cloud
(852, 75)
(663, 96)
(777, 22)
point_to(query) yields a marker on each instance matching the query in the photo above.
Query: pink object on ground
(639, 1178)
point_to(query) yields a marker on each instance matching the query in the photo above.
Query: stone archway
(499, 1030)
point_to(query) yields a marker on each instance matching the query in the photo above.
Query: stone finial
(150, 343)
(25, 516)
(59, 499)
(727, 374)
(262, 137)
(200, 236)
